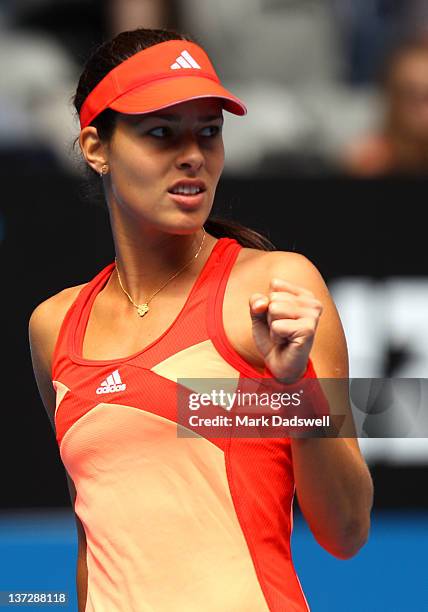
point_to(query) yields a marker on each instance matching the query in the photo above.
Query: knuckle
(308, 327)
(273, 308)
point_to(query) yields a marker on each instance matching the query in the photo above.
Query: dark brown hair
(104, 58)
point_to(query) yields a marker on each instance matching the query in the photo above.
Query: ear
(93, 149)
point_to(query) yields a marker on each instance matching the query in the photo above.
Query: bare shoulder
(261, 266)
(43, 329)
(45, 320)
(257, 268)
(298, 269)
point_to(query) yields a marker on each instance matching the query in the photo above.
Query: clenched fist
(284, 325)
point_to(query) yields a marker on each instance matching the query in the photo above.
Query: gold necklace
(143, 308)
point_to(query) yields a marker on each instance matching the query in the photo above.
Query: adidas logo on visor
(184, 60)
(111, 384)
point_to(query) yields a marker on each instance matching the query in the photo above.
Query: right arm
(43, 330)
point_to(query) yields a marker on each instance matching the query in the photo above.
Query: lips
(187, 187)
(188, 202)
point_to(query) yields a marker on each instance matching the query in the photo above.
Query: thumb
(258, 310)
(258, 304)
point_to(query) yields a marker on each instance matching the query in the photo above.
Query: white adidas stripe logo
(111, 384)
(184, 60)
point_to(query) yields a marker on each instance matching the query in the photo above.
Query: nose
(190, 155)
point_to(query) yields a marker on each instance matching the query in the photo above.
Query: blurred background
(331, 161)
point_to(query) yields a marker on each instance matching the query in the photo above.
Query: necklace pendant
(142, 309)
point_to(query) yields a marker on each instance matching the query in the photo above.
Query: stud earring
(104, 170)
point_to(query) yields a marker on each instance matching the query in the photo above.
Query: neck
(148, 263)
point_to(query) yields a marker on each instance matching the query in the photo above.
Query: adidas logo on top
(184, 60)
(111, 384)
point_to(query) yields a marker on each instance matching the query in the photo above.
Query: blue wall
(390, 574)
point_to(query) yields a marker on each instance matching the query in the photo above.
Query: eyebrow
(176, 119)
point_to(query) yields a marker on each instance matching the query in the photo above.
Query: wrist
(314, 403)
(291, 380)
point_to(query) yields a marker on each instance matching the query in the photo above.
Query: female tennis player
(168, 522)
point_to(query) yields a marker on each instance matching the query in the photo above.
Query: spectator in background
(42, 45)
(367, 29)
(131, 14)
(401, 144)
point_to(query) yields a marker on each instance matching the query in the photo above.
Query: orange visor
(162, 75)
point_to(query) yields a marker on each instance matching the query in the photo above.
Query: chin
(185, 229)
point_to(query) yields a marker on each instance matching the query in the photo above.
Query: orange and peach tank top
(172, 523)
